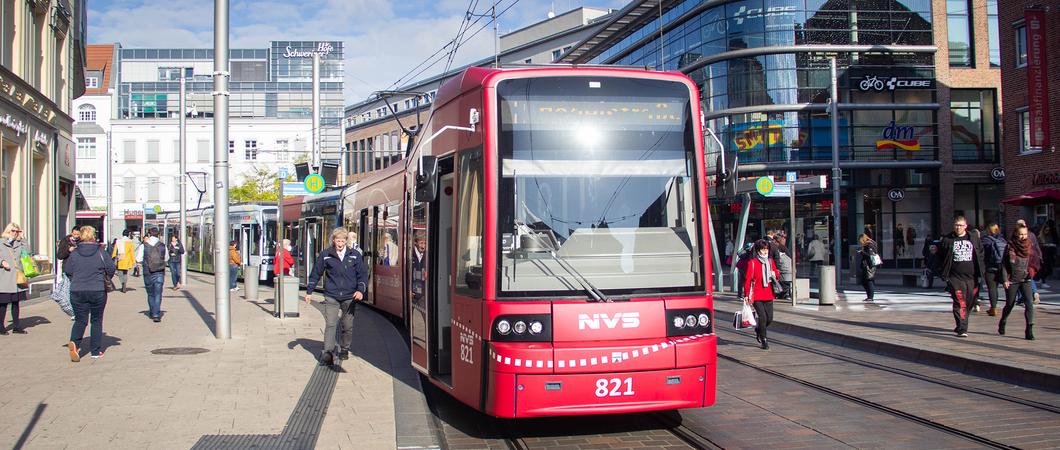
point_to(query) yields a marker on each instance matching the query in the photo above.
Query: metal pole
(223, 326)
(316, 111)
(183, 137)
(277, 260)
(741, 234)
(496, 37)
(837, 176)
(718, 265)
(792, 247)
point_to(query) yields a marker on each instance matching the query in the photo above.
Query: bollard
(250, 282)
(826, 292)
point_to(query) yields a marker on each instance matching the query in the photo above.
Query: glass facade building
(763, 70)
(274, 82)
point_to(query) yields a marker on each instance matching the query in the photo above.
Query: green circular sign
(314, 183)
(764, 185)
(158, 209)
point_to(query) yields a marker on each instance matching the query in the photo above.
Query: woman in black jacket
(867, 269)
(1017, 272)
(87, 266)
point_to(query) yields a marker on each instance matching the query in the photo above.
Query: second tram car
(252, 226)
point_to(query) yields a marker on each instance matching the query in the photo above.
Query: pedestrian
(284, 261)
(13, 287)
(994, 252)
(67, 244)
(931, 262)
(962, 268)
(1017, 270)
(125, 255)
(234, 261)
(817, 253)
(343, 285)
(785, 265)
(151, 254)
(88, 269)
(175, 249)
(743, 258)
(729, 249)
(869, 256)
(1047, 240)
(761, 271)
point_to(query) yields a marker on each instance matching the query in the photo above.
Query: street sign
(314, 183)
(896, 195)
(780, 190)
(764, 185)
(282, 173)
(294, 188)
(790, 176)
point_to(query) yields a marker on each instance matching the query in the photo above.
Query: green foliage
(257, 186)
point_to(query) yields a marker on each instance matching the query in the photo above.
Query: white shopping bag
(744, 318)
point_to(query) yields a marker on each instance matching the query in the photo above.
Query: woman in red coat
(761, 271)
(283, 262)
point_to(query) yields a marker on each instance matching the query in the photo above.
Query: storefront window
(974, 119)
(979, 203)
(959, 23)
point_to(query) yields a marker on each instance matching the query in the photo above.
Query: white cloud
(383, 39)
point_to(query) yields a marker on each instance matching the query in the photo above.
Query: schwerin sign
(323, 49)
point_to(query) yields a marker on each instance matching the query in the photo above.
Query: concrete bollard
(250, 282)
(826, 292)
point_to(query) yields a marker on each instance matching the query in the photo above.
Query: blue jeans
(174, 272)
(153, 282)
(233, 273)
(88, 304)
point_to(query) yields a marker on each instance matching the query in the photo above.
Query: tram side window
(389, 253)
(469, 226)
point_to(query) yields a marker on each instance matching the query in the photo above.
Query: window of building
(153, 189)
(556, 54)
(974, 120)
(169, 73)
(250, 149)
(87, 183)
(153, 151)
(91, 82)
(231, 147)
(129, 186)
(527, 61)
(129, 151)
(86, 113)
(1021, 46)
(1025, 133)
(86, 147)
(202, 150)
(282, 149)
(959, 22)
(993, 33)
(7, 39)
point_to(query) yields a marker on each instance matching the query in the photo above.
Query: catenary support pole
(792, 247)
(277, 260)
(316, 112)
(182, 135)
(741, 234)
(837, 177)
(223, 322)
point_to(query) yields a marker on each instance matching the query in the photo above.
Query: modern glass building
(763, 70)
(273, 82)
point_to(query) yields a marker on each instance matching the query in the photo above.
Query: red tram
(545, 243)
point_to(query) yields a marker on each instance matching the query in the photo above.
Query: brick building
(1031, 168)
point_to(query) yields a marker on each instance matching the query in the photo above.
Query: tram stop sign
(764, 185)
(314, 183)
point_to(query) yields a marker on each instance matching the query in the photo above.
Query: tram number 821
(613, 387)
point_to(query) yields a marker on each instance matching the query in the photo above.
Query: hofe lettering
(616, 320)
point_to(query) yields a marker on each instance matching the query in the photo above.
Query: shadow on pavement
(32, 321)
(206, 316)
(30, 426)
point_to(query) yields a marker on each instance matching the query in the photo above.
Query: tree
(257, 186)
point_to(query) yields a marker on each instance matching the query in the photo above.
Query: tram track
(905, 415)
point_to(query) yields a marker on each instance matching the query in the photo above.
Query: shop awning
(90, 214)
(1042, 197)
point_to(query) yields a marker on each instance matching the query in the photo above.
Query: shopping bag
(29, 267)
(61, 294)
(925, 278)
(744, 318)
(876, 260)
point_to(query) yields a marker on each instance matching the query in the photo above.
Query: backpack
(154, 257)
(995, 251)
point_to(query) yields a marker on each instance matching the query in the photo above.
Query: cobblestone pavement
(134, 399)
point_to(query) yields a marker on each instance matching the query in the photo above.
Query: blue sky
(383, 39)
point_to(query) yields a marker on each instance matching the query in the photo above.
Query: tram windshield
(597, 187)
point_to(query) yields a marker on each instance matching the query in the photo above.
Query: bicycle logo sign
(878, 83)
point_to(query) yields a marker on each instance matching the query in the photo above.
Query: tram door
(245, 243)
(430, 327)
(364, 234)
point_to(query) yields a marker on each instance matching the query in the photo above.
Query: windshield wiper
(595, 294)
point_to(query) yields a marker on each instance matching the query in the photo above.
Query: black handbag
(108, 281)
(780, 291)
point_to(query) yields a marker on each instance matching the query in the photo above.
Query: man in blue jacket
(344, 283)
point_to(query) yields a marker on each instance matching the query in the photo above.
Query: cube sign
(314, 183)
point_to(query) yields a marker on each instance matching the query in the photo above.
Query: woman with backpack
(1017, 270)
(88, 270)
(994, 249)
(761, 272)
(869, 253)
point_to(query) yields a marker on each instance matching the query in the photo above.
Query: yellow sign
(764, 185)
(314, 183)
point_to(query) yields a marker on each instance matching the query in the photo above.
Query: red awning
(90, 214)
(1042, 197)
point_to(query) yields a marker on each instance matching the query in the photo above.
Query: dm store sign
(901, 137)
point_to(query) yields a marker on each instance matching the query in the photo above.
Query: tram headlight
(679, 322)
(536, 327)
(704, 319)
(690, 320)
(504, 327)
(519, 327)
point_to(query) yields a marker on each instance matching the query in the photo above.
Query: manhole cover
(179, 351)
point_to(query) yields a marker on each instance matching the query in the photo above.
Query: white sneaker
(976, 308)
(1037, 298)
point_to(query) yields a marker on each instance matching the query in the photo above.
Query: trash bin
(289, 305)
(250, 282)
(826, 291)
